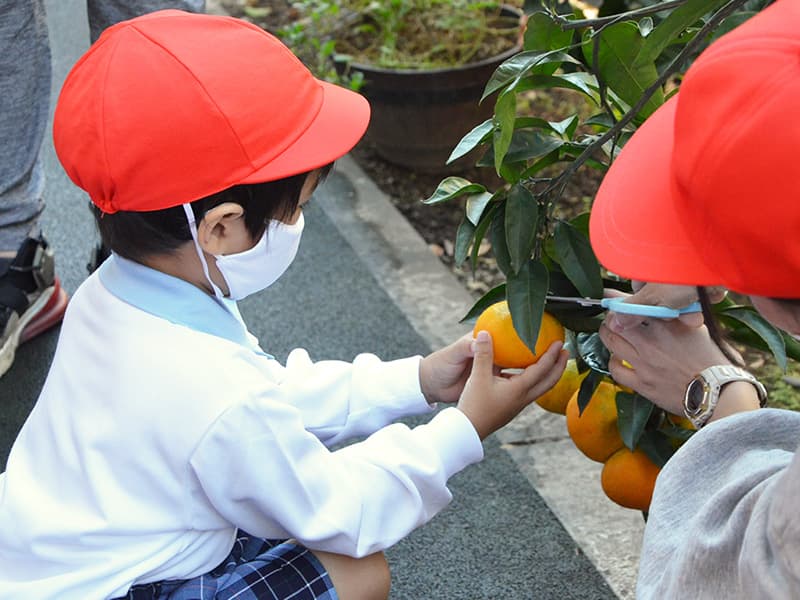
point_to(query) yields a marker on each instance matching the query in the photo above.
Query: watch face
(694, 395)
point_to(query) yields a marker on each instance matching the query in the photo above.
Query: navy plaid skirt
(256, 568)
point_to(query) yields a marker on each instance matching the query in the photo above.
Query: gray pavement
(528, 522)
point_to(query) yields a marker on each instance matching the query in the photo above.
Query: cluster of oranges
(628, 477)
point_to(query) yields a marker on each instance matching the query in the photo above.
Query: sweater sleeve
(724, 521)
(263, 472)
(339, 400)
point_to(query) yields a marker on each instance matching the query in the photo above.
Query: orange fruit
(510, 352)
(595, 432)
(555, 400)
(628, 478)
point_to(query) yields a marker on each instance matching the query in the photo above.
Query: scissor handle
(647, 310)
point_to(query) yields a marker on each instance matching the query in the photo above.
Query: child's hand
(442, 374)
(490, 401)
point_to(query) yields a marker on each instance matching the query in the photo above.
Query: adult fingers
(621, 373)
(618, 343)
(716, 293)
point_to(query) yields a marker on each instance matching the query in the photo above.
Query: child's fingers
(550, 378)
(482, 356)
(539, 371)
(462, 348)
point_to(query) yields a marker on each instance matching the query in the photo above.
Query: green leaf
(675, 22)
(588, 387)
(576, 258)
(475, 206)
(764, 329)
(633, 411)
(470, 141)
(519, 65)
(496, 294)
(505, 113)
(497, 235)
(579, 82)
(526, 292)
(566, 127)
(521, 218)
(657, 446)
(581, 223)
(547, 160)
(480, 232)
(464, 235)
(619, 45)
(603, 120)
(543, 32)
(525, 145)
(453, 187)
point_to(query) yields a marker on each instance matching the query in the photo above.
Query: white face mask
(259, 267)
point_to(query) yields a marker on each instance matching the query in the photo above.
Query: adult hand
(491, 400)
(664, 355)
(661, 294)
(443, 373)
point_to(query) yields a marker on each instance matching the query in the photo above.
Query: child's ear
(222, 229)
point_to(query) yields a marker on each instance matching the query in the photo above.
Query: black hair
(714, 329)
(138, 235)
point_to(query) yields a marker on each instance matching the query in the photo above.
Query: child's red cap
(707, 191)
(172, 106)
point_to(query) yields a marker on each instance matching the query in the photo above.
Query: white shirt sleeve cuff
(455, 438)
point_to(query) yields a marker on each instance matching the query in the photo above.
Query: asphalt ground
(364, 281)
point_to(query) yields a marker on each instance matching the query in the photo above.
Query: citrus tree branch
(559, 182)
(567, 24)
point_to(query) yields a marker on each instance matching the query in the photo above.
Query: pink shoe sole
(49, 316)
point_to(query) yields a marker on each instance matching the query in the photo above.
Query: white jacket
(163, 427)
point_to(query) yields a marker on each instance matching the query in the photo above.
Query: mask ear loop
(193, 228)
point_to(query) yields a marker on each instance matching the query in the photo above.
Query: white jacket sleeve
(724, 521)
(339, 400)
(263, 472)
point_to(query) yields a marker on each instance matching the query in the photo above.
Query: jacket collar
(174, 299)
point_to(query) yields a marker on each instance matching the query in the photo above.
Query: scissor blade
(574, 300)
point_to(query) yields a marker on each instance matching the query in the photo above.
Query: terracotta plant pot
(418, 116)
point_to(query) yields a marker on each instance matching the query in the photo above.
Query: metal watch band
(712, 379)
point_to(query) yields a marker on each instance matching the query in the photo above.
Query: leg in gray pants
(31, 299)
(25, 102)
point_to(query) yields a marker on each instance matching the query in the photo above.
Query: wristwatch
(702, 393)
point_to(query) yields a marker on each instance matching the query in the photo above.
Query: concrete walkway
(528, 522)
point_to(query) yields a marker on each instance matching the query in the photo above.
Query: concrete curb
(433, 301)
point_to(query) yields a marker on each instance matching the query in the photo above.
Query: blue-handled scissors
(629, 308)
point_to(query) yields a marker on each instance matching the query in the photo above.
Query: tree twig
(567, 24)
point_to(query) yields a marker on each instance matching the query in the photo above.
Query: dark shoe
(31, 298)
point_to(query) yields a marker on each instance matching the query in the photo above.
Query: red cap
(706, 192)
(172, 106)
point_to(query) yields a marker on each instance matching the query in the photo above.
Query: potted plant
(421, 63)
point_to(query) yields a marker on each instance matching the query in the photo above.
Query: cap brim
(635, 229)
(340, 123)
